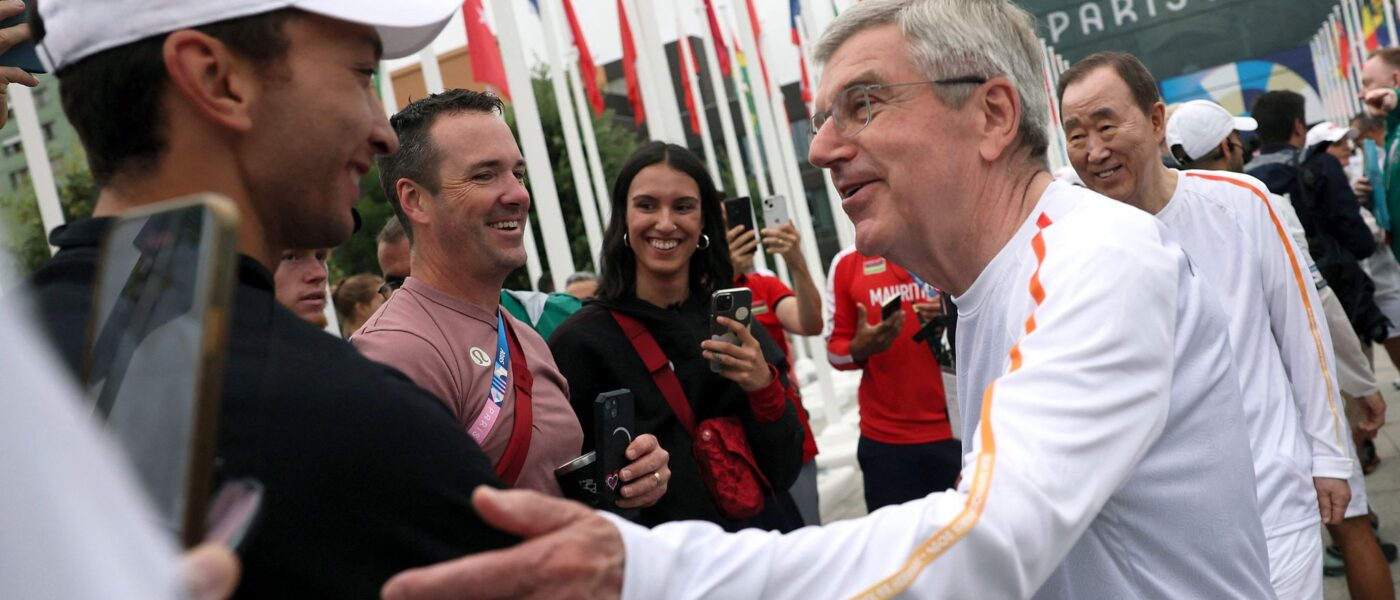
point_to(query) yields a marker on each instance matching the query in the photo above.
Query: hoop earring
(704, 242)
(624, 240)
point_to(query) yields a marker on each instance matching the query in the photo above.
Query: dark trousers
(898, 473)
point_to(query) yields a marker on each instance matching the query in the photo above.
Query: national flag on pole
(588, 70)
(1343, 50)
(1373, 24)
(481, 45)
(629, 66)
(758, 38)
(687, 67)
(718, 36)
(796, 10)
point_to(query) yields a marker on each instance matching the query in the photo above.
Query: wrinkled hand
(784, 240)
(1332, 498)
(870, 340)
(1373, 409)
(647, 475)
(1379, 102)
(743, 364)
(210, 572)
(569, 552)
(9, 37)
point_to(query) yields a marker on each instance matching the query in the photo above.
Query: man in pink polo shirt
(457, 186)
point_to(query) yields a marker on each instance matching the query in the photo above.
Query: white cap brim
(404, 26)
(1246, 124)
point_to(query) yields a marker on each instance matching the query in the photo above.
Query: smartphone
(739, 211)
(233, 512)
(613, 430)
(154, 365)
(775, 211)
(734, 303)
(23, 54)
(891, 306)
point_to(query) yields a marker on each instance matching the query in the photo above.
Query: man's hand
(647, 474)
(10, 36)
(1332, 498)
(1379, 102)
(1373, 409)
(569, 552)
(928, 310)
(870, 340)
(210, 572)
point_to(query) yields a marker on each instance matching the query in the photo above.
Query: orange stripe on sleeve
(1302, 291)
(935, 545)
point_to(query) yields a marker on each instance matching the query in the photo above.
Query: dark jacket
(595, 356)
(364, 473)
(1331, 217)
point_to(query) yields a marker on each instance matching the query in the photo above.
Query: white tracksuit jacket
(1106, 458)
(1282, 346)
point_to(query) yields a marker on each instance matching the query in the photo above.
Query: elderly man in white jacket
(1104, 457)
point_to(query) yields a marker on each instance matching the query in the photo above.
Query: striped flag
(720, 49)
(688, 66)
(795, 9)
(1373, 19)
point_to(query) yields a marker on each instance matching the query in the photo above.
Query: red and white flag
(629, 66)
(481, 45)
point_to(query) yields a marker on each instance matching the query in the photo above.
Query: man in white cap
(1281, 345)
(272, 104)
(1202, 123)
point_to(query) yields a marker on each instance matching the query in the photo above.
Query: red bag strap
(513, 459)
(659, 366)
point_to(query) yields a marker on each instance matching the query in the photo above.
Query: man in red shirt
(906, 449)
(801, 316)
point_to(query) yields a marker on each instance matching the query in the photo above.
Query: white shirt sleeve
(1300, 328)
(1086, 396)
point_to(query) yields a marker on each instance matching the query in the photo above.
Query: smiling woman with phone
(723, 409)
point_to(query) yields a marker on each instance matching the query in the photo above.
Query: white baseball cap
(1328, 132)
(1199, 126)
(77, 29)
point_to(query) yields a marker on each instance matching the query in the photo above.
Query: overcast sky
(598, 18)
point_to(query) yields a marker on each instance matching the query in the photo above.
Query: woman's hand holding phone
(648, 474)
(743, 363)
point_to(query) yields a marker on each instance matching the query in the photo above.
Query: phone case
(775, 211)
(735, 303)
(613, 429)
(739, 211)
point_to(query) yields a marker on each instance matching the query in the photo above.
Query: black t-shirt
(365, 474)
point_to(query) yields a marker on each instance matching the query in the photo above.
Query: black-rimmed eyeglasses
(390, 285)
(851, 111)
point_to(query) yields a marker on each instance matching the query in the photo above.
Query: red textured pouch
(728, 468)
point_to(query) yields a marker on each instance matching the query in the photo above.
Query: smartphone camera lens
(611, 410)
(724, 303)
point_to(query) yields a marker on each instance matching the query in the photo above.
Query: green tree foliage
(24, 236)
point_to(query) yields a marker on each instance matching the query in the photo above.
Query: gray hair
(952, 38)
(580, 276)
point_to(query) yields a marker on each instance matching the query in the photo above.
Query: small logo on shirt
(760, 307)
(874, 266)
(480, 357)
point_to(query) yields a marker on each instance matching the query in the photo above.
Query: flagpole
(1323, 86)
(1354, 69)
(845, 229)
(726, 120)
(386, 90)
(654, 75)
(578, 165)
(590, 143)
(1352, 20)
(531, 130)
(36, 157)
(798, 198)
(432, 71)
(688, 65)
(1389, 17)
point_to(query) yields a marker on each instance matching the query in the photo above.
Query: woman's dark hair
(710, 269)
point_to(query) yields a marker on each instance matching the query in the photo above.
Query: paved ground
(840, 479)
(1382, 486)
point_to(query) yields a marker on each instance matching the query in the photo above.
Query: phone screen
(151, 375)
